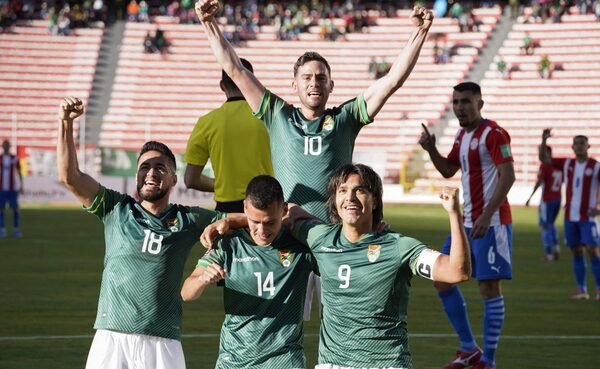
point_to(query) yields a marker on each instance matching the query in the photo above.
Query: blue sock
(547, 240)
(579, 269)
(16, 218)
(493, 318)
(595, 261)
(456, 309)
(2, 219)
(554, 235)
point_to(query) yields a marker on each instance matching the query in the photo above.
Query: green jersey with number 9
(143, 263)
(365, 289)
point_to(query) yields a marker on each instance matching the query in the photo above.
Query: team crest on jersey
(172, 224)
(589, 172)
(285, 258)
(328, 123)
(373, 252)
(474, 143)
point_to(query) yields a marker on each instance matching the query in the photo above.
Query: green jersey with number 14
(306, 152)
(365, 289)
(143, 263)
(265, 287)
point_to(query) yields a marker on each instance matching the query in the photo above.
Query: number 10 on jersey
(313, 145)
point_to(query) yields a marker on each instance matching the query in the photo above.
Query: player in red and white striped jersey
(11, 184)
(482, 152)
(582, 178)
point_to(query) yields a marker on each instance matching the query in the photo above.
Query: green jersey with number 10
(306, 152)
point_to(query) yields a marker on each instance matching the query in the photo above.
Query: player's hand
(480, 227)
(213, 231)
(546, 133)
(207, 9)
(70, 108)
(212, 274)
(427, 140)
(450, 202)
(594, 212)
(421, 18)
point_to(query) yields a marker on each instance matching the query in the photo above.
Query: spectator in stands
(584, 6)
(528, 45)
(502, 68)
(558, 10)
(52, 22)
(11, 185)
(597, 10)
(515, 8)
(441, 54)
(149, 44)
(582, 179)
(545, 68)
(237, 144)
(143, 13)
(160, 41)
(133, 11)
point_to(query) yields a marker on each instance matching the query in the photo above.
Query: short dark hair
(581, 136)
(264, 190)
(161, 148)
(369, 179)
(468, 86)
(310, 56)
(228, 82)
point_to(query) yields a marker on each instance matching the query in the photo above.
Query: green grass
(50, 281)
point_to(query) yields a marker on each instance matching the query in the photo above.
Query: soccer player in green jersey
(366, 275)
(265, 272)
(147, 243)
(310, 142)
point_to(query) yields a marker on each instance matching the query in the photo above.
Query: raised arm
(226, 56)
(544, 153)
(82, 185)
(194, 178)
(378, 93)
(441, 163)
(456, 267)
(538, 183)
(506, 178)
(194, 285)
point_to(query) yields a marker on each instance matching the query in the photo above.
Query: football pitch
(50, 281)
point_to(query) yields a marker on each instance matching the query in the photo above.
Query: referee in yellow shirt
(237, 144)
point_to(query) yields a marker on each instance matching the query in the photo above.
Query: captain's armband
(426, 262)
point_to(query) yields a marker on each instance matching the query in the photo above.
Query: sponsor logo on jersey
(474, 143)
(142, 221)
(286, 258)
(505, 150)
(172, 224)
(373, 252)
(247, 259)
(328, 123)
(329, 249)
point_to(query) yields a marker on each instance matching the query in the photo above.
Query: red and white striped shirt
(551, 182)
(582, 181)
(9, 173)
(478, 153)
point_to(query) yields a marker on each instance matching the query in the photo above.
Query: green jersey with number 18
(365, 289)
(265, 287)
(306, 152)
(143, 263)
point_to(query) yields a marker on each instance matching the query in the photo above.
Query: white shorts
(313, 287)
(116, 350)
(331, 366)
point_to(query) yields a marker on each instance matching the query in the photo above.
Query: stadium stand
(36, 71)
(161, 95)
(525, 103)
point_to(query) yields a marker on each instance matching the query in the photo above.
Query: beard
(151, 196)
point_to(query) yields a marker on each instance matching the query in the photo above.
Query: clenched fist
(207, 9)
(70, 108)
(421, 18)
